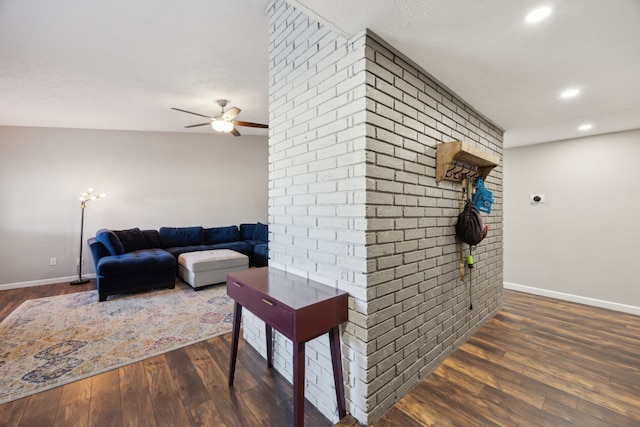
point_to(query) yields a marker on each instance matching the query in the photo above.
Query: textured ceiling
(122, 64)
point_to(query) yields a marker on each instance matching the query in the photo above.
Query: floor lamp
(85, 198)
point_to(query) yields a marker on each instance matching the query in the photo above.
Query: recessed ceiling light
(538, 15)
(569, 93)
(585, 126)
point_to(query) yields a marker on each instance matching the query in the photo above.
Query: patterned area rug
(49, 342)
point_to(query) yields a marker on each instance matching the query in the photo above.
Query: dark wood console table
(299, 309)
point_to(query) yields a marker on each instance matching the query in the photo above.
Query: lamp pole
(85, 198)
(81, 280)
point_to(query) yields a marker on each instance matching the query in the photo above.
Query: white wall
(582, 243)
(151, 180)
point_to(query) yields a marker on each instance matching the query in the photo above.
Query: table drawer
(266, 309)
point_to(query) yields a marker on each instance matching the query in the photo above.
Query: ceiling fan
(224, 121)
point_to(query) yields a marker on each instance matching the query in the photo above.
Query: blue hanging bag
(482, 198)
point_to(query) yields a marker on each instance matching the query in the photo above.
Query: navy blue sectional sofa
(136, 260)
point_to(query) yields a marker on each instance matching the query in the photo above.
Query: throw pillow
(132, 239)
(246, 231)
(261, 232)
(153, 238)
(111, 241)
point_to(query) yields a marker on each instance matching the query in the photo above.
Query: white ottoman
(210, 267)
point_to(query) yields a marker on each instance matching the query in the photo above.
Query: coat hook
(458, 174)
(451, 171)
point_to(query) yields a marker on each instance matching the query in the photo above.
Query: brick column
(353, 203)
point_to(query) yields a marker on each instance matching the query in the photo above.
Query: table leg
(298, 384)
(269, 334)
(237, 316)
(336, 361)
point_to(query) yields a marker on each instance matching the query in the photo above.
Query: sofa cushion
(247, 230)
(181, 236)
(239, 246)
(111, 241)
(132, 239)
(178, 250)
(221, 235)
(153, 238)
(261, 249)
(137, 262)
(261, 232)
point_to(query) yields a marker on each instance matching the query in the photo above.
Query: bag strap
(470, 264)
(467, 187)
(461, 208)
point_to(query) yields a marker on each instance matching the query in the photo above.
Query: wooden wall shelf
(456, 160)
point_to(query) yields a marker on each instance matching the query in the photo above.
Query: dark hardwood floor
(186, 387)
(539, 362)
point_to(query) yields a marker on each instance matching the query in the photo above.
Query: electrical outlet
(78, 261)
(535, 199)
(53, 261)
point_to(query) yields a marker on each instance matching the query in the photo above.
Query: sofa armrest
(260, 256)
(98, 250)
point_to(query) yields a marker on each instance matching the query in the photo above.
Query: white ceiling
(122, 64)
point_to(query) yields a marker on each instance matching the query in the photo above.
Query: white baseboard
(43, 282)
(574, 298)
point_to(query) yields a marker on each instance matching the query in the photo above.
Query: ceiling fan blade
(190, 112)
(234, 132)
(231, 113)
(250, 124)
(199, 124)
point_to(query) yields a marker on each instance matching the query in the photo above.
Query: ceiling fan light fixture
(222, 125)
(570, 93)
(538, 15)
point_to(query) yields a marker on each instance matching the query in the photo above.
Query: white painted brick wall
(421, 266)
(354, 204)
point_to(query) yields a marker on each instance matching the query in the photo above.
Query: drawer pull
(237, 284)
(266, 301)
